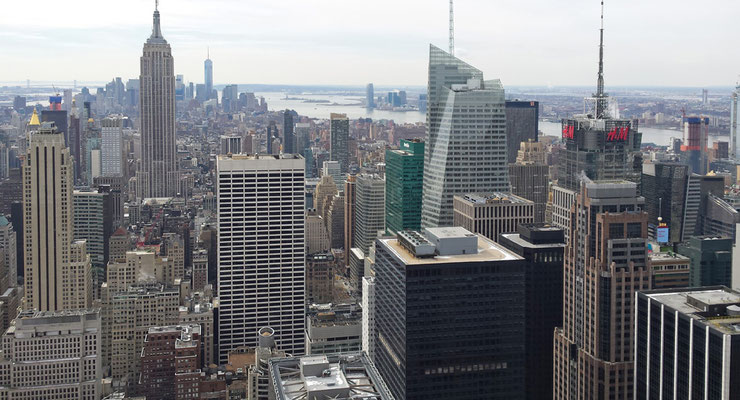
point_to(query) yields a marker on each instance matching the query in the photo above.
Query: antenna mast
(452, 29)
(601, 97)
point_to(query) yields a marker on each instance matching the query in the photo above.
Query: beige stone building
(127, 316)
(52, 355)
(492, 214)
(54, 269)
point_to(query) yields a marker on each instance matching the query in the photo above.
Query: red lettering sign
(618, 134)
(568, 132)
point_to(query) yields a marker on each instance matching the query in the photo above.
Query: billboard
(662, 234)
(617, 130)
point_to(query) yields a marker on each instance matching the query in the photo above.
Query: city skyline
(80, 40)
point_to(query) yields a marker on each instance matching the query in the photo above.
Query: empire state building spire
(157, 174)
(156, 28)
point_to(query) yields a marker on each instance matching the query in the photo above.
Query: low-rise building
(341, 377)
(170, 362)
(333, 328)
(320, 277)
(126, 319)
(670, 270)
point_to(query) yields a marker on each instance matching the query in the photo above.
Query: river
(353, 107)
(344, 104)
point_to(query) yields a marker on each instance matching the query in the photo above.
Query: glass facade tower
(466, 148)
(404, 176)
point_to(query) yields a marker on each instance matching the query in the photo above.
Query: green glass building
(404, 172)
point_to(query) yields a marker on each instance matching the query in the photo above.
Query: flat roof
(487, 250)
(517, 238)
(450, 232)
(665, 256)
(681, 300)
(282, 156)
(494, 198)
(342, 376)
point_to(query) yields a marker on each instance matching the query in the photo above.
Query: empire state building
(157, 174)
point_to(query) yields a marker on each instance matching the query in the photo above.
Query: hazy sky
(535, 42)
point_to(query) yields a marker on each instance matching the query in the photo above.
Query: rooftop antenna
(601, 97)
(452, 29)
(156, 5)
(208, 52)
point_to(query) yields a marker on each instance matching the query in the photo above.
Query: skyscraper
(111, 147)
(75, 141)
(369, 211)
(695, 135)
(522, 125)
(56, 115)
(666, 184)
(597, 145)
(530, 177)
(606, 264)
(733, 123)
(289, 142)
(55, 275)
(230, 98)
(208, 71)
(542, 247)
(93, 222)
(466, 145)
(159, 176)
(8, 251)
(339, 150)
(404, 180)
(687, 344)
(449, 316)
(272, 133)
(261, 250)
(350, 200)
(492, 214)
(711, 260)
(370, 96)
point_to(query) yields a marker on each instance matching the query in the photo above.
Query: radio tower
(452, 29)
(602, 99)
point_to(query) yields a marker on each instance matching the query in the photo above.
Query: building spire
(452, 29)
(601, 97)
(156, 30)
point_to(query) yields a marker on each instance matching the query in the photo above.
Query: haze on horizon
(330, 42)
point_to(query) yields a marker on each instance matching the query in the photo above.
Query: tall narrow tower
(261, 265)
(56, 268)
(158, 175)
(208, 70)
(465, 151)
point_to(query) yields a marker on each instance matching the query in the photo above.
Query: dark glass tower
(449, 316)
(289, 142)
(404, 180)
(542, 246)
(522, 124)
